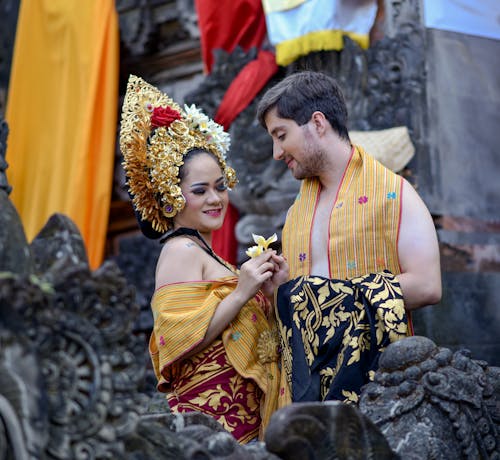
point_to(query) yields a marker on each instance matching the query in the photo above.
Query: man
(353, 220)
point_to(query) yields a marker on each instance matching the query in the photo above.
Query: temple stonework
(76, 381)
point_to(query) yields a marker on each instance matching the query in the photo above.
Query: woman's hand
(254, 273)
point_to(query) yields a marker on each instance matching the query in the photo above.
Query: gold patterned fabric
(333, 332)
(182, 313)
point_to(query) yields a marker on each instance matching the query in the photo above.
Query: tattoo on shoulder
(190, 244)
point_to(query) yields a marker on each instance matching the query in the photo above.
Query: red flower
(164, 116)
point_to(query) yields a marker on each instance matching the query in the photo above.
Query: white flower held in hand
(262, 245)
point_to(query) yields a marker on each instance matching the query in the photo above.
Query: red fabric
(210, 384)
(245, 87)
(224, 242)
(226, 23)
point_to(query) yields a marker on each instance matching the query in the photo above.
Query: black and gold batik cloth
(333, 332)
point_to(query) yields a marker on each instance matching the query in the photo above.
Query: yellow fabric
(364, 222)
(62, 111)
(182, 313)
(322, 40)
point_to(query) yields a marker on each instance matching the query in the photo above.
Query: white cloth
(313, 15)
(473, 17)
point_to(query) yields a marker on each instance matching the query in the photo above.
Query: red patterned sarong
(208, 383)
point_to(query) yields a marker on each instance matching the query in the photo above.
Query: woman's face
(205, 190)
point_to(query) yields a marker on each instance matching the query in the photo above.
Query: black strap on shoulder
(191, 232)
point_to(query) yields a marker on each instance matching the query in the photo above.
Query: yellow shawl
(364, 221)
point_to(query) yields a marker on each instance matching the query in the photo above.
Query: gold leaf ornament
(152, 155)
(267, 346)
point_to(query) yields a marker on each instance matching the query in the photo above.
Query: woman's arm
(182, 260)
(253, 273)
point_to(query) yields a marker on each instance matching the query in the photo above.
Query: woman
(214, 345)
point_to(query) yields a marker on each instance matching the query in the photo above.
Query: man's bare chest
(320, 236)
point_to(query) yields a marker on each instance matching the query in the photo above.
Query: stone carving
(186, 12)
(148, 25)
(432, 403)
(8, 12)
(399, 13)
(79, 324)
(325, 430)
(137, 256)
(4, 131)
(14, 252)
(208, 95)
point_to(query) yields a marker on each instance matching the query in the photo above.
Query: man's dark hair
(301, 94)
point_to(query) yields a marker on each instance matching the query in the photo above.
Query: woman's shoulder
(182, 244)
(181, 259)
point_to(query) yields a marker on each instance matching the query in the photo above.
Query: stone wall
(461, 187)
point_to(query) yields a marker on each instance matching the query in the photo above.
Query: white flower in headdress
(213, 132)
(196, 118)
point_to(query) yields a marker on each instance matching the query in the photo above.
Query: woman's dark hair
(189, 156)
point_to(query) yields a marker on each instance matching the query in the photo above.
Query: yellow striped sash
(364, 222)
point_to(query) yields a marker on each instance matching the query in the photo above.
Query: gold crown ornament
(155, 135)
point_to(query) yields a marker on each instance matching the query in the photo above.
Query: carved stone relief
(8, 12)
(444, 402)
(147, 26)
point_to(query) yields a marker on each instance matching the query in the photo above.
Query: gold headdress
(155, 134)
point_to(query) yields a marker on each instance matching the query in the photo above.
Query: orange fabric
(62, 111)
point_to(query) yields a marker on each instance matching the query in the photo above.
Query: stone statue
(325, 430)
(432, 403)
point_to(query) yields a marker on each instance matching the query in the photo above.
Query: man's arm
(418, 251)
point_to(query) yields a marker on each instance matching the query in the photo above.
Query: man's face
(296, 145)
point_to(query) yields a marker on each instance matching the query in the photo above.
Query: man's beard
(313, 160)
